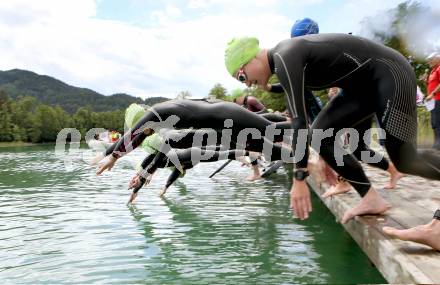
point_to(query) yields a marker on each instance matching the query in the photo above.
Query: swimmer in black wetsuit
(184, 139)
(376, 81)
(252, 104)
(308, 26)
(185, 156)
(224, 117)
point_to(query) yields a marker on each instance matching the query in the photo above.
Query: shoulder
(289, 44)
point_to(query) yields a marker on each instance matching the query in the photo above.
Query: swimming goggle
(241, 75)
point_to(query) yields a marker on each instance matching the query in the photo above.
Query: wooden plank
(413, 203)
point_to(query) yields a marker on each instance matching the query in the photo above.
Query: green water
(61, 225)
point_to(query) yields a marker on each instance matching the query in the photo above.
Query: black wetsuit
(376, 80)
(313, 107)
(203, 114)
(154, 161)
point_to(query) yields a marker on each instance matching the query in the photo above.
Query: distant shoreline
(20, 144)
(23, 144)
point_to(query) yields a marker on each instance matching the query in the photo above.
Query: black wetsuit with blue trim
(376, 80)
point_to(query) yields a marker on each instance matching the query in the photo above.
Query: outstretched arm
(290, 68)
(175, 174)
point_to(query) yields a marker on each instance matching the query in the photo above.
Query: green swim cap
(152, 143)
(239, 52)
(134, 112)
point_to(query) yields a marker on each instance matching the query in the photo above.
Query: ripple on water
(61, 225)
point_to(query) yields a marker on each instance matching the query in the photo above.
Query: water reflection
(73, 227)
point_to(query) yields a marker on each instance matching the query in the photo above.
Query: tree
(83, 120)
(396, 35)
(218, 92)
(235, 94)
(6, 125)
(183, 95)
(46, 119)
(274, 101)
(3, 97)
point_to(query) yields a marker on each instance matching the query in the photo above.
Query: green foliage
(34, 108)
(394, 35)
(235, 94)
(274, 101)
(50, 91)
(218, 92)
(6, 125)
(184, 95)
(26, 120)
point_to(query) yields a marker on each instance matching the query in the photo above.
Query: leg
(428, 234)
(435, 122)
(398, 113)
(408, 160)
(345, 112)
(383, 164)
(342, 186)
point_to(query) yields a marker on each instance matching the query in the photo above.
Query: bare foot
(372, 204)
(428, 234)
(395, 175)
(393, 180)
(339, 188)
(253, 177)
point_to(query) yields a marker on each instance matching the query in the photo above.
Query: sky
(158, 48)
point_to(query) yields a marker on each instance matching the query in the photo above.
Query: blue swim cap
(303, 27)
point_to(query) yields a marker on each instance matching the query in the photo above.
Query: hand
(134, 182)
(132, 197)
(300, 199)
(163, 191)
(97, 159)
(107, 165)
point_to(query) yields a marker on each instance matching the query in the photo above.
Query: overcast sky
(156, 48)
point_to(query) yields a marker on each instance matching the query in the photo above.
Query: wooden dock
(413, 203)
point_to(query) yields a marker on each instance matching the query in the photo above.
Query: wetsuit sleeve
(132, 141)
(148, 160)
(118, 145)
(110, 149)
(173, 177)
(159, 161)
(289, 66)
(135, 136)
(276, 88)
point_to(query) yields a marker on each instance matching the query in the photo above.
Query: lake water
(61, 225)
